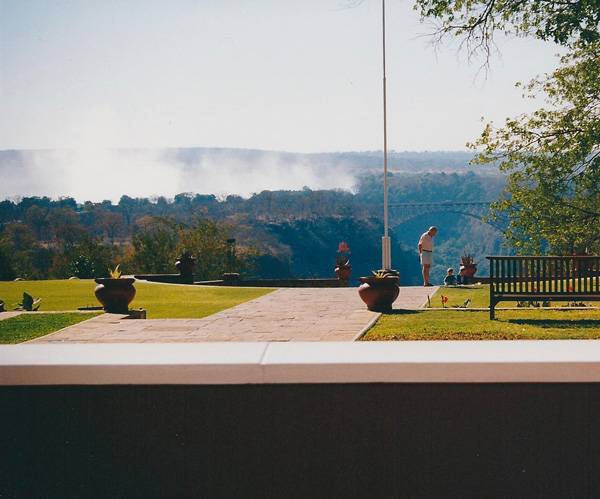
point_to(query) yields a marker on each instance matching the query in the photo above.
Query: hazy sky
(284, 75)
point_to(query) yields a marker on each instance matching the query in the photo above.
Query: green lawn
(479, 296)
(466, 324)
(161, 301)
(31, 325)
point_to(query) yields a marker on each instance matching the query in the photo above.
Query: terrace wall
(474, 419)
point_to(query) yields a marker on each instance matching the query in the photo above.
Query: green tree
(551, 157)
(206, 239)
(160, 241)
(113, 224)
(7, 272)
(476, 22)
(37, 219)
(87, 259)
(28, 258)
(154, 246)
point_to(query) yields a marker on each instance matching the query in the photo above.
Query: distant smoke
(97, 174)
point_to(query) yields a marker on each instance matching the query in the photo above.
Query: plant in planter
(343, 269)
(29, 304)
(380, 291)
(186, 263)
(468, 268)
(115, 293)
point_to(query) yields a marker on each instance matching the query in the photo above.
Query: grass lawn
(31, 325)
(161, 301)
(454, 324)
(164, 301)
(479, 296)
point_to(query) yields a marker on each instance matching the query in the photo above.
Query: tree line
(278, 234)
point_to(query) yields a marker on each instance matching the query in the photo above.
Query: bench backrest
(545, 275)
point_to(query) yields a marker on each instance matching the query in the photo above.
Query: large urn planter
(185, 265)
(379, 293)
(115, 295)
(469, 269)
(343, 272)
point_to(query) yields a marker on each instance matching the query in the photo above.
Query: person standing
(426, 253)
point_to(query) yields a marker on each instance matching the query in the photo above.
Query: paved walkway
(288, 314)
(8, 315)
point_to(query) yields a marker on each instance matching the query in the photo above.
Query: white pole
(385, 243)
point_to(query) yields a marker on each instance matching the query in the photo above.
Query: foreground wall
(477, 419)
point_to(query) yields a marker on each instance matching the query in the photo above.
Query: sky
(281, 75)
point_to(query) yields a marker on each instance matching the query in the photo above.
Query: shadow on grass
(557, 323)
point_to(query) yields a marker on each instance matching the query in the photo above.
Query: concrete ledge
(301, 363)
(279, 283)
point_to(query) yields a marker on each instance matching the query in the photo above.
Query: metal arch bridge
(403, 212)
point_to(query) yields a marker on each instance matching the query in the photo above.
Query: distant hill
(110, 173)
(357, 163)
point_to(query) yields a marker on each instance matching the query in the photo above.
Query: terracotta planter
(185, 265)
(115, 295)
(470, 269)
(343, 272)
(379, 292)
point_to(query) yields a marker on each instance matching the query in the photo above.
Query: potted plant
(115, 293)
(29, 303)
(468, 267)
(380, 291)
(186, 263)
(343, 269)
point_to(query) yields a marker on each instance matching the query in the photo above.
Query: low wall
(413, 419)
(166, 278)
(279, 283)
(238, 281)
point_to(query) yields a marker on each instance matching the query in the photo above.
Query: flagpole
(385, 243)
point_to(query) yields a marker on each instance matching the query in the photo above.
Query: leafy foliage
(154, 246)
(476, 22)
(342, 254)
(115, 273)
(88, 259)
(7, 272)
(552, 159)
(29, 304)
(161, 240)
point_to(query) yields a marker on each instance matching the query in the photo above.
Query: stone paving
(287, 314)
(8, 315)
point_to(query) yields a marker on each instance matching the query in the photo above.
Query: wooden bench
(559, 278)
